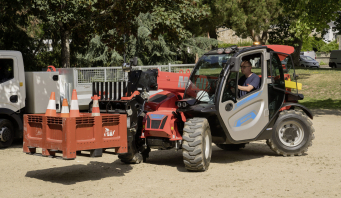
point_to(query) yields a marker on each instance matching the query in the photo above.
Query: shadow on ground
(174, 158)
(321, 112)
(68, 175)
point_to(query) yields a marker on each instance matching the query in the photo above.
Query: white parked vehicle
(307, 61)
(312, 54)
(335, 59)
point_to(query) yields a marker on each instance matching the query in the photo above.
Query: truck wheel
(231, 147)
(6, 133)
(292, 134)
(197, 144)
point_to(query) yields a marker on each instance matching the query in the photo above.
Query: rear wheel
(302, 65)
(6, 133)
(292, 134)
(231, 147)
(197, 144)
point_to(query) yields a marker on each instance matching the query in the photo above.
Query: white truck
(21, 93)
(29, 92)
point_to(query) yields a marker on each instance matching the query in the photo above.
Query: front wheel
(197, 144)
(292, 134)
(6, 133)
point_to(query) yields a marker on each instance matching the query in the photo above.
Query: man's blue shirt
(253, 80)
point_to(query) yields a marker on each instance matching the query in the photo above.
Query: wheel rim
(291, 133)
(5, 134)
(207, 146)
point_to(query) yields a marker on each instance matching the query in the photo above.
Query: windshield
(203, 82)
(309, 58)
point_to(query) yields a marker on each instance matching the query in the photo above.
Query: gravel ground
(251, 172)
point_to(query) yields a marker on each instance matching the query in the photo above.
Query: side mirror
(235, 63)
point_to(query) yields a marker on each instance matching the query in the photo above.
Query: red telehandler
(205, 106)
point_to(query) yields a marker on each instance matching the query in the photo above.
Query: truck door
(9, 83)
(245, 116)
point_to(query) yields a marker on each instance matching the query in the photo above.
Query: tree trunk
(213, 34)
(296, 55)
(264, 37)
(65, 35)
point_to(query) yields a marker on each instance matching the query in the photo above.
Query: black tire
(231, 147)
(292, 134)
(7, 133)
(302, 65)
(132, 157)
(197, 144)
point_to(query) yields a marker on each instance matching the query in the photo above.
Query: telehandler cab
(210, 109)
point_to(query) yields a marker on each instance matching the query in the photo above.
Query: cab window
(230, 87)
(256, 79)
(6, 70)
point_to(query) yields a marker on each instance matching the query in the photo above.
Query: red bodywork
(160, 120)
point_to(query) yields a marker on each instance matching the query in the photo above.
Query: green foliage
(318, 45)
(329, 47)
(148, 50)
(13, 31)
(245, 17)
(308, 15)
(63, 18)
(312, 44)
(170, 18)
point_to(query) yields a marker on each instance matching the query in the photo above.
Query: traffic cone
(65, 109)
(74, 109)
(51, 107)
(95, 107)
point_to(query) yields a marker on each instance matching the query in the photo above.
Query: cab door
(245, 117)
(9, 83)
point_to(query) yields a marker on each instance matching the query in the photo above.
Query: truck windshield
(205, 76)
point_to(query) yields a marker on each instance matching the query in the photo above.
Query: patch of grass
(321, 88)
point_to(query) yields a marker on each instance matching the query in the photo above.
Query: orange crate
(74, 134)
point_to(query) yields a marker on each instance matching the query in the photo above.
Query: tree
(15, 33)
(299, 19)
(247, 18)
(170, 18)
(149, 51)
(64, 17)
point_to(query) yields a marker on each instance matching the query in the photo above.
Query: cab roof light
(256, 43)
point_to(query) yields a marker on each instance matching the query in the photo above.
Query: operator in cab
(250, 81)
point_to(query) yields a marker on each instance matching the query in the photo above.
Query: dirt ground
(251, 172)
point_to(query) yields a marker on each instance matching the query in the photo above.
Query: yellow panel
(292, 85)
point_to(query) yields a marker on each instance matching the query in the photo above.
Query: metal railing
(116, 74)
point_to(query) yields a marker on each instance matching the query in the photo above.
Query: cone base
(50, 112)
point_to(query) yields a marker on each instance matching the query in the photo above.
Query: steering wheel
(228, 93)
(232, 83)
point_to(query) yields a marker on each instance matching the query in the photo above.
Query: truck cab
(13, 96)
(21, 93)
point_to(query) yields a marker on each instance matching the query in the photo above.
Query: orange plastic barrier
(72, 134)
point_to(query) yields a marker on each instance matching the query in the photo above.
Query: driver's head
(246, 67)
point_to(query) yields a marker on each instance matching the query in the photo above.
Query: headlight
(178, 104)
(184, 104)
